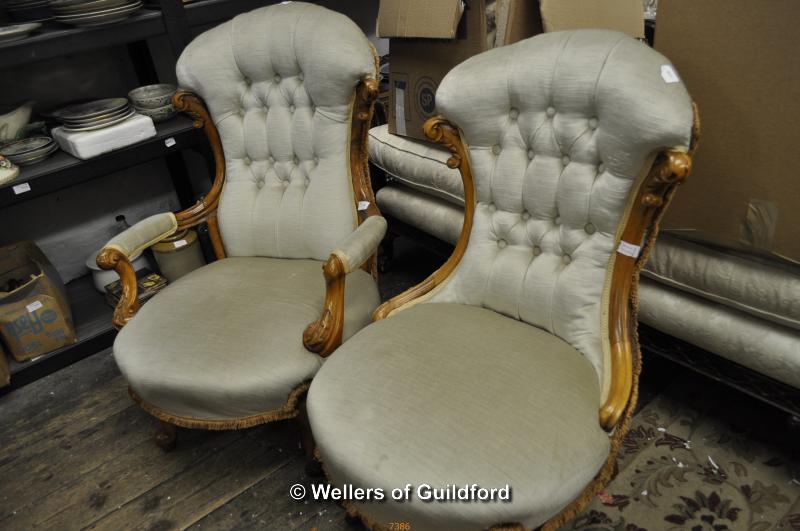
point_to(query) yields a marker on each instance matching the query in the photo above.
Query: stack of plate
(18, 31)
(29, 150)
(28, 10)
(94, 114)
(93, 12)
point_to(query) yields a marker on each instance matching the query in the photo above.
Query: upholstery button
(496, 149)
(291, 108)
(557, 221)
(550, 112)
(592, 123)
(277, 78)
(565, 160)
(316, 161)
(492, 207)
(530, 154)
(537, 250)
(285, 184)
(601, 168)
(241, 111)
(246, 80)
(300, 76)
(260, 183)
(296, 160)
(526, 215)
(566, 259)
(247, 161)
(308, 181)
(589, 228)
(502, 244)
(271, 160)
(513, 113)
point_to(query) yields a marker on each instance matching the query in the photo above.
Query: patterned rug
(701, 457)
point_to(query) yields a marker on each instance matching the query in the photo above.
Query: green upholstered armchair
(285, 96)
(517, 362)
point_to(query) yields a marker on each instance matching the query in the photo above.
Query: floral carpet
(702, 457)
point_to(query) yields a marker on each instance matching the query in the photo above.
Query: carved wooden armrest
(122, 248)
(439, 130)
(324, 335)
(117, 253)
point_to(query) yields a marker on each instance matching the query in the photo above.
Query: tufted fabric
(279, 82)
(195, 353)
(429, 214)
(559, 127)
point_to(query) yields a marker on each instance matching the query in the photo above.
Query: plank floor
(77, 453)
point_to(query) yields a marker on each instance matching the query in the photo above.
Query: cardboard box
(5, 372)
(626, 16)
(739, 61)
(35, 316)
(427, 39)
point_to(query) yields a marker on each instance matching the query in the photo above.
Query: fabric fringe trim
(287, 411)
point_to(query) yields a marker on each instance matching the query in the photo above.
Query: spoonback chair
(516, 363)
(284, 94)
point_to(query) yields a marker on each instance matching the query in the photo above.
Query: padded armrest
(143, 234)
(360, 244)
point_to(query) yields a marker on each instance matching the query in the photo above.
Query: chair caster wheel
(166, 436)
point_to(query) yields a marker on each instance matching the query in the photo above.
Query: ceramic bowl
(152, 96)
(158, 114)
(104, 277)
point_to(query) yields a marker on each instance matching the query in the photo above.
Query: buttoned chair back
(561, 131)
(279, 83)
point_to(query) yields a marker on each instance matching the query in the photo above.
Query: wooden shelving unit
(170, 18)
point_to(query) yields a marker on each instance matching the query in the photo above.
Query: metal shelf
(55, 39)
(62, 170)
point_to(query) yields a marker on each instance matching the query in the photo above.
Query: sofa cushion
(417, 164)
(765, 289)
(427, 213)
(279, 84)
(225, 341)
(761, 345)
(454, 394)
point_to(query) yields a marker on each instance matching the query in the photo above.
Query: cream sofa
(742, 308)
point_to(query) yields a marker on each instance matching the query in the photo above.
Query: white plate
(115, 121)
(18, 31)
(99, 13)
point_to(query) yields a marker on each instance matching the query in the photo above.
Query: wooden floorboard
(77, 453)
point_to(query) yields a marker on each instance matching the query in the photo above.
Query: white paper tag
(668, 74)
(170, 142)
(629, 249)
(32, 307)
(21, 188)
(180, 243)
(400, 107)
(363, 205)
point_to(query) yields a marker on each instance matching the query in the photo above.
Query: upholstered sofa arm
(122, 248)
(143, 234)
(324, 335)
(362, 243)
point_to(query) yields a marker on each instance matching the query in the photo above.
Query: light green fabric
(427, 213)
(225, 341)
(279, 83)
(361, 243)
(143, 234)
(455, 394)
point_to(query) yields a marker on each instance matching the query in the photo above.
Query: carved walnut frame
(646, 207)
(324, 335)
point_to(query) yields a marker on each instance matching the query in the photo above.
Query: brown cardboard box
(626, 16)
(35, 316)
(739, 59)
(429, 38)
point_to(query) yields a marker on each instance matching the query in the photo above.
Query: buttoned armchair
(285, 96)
(517, 362)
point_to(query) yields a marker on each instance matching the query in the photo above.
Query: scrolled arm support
(111, 258)
(324, 335)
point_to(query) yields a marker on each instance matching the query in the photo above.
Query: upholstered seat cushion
(225, 341)
(427, 213)
(453, 394)
(417, 164)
